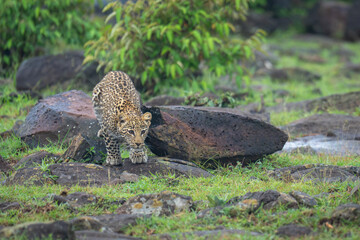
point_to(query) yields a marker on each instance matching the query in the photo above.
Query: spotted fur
(117, 108)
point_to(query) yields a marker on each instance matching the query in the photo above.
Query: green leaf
(197, 35)
(169, 35)
(143, 77)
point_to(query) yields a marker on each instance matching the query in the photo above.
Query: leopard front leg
(113, 149)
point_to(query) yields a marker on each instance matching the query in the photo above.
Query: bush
(156, 41)
(27, 25)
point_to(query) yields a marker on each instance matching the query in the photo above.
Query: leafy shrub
(27, 25)
(156, 41)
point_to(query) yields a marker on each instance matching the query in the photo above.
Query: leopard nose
(138, 144)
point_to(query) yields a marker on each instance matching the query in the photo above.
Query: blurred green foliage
(27, 26)
(158, 42)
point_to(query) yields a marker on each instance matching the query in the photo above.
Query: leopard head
(134, 129)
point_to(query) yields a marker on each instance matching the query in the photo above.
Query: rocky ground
(283, 162)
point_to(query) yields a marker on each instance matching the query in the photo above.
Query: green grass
(226, 183)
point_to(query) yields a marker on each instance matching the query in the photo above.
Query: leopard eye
(143, 132)
(131, 132)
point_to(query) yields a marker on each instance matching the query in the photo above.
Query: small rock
(4, 206)
(35, 159)
(164, 203)
(303, 198)
(347, 102)
(343, 126)
(348, 212)
(30, 176)
(288, 74)
(316, 173)
(79, 199)
(4, 166)
(118, 222)
(56, 230)
(85, 150)
(293, 231)
(87, 223)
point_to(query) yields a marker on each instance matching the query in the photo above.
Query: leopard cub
(117, 108)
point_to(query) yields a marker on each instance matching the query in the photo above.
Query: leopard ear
(147, 116)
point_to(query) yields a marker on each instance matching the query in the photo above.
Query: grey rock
(4, 166)
(30, 176)
(79, 199)
(334, 125)
(198, 134)
(164, 203)
(59, 118)
(40, 72)
(118, 222)
(316, 173)
(84, 149)
(293, 231)
(163, 166)
(94, 235)
(347, 212)
(85, 174)
(35, 159)
(209, 234)
(251, 202)
(4, 206)
(288, 74)
(303, 199)
(58, 230)
(347, 102)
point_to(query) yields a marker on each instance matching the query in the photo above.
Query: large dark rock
(199, 134)
(352, 30)
(160, 204)
(84, 174)
(333, 125)
(347, 102)
(56, 230)
(40, 72)
(57, 119)
(328, 18)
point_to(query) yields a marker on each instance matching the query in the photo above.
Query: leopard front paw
(113, 160)
(138, 156)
